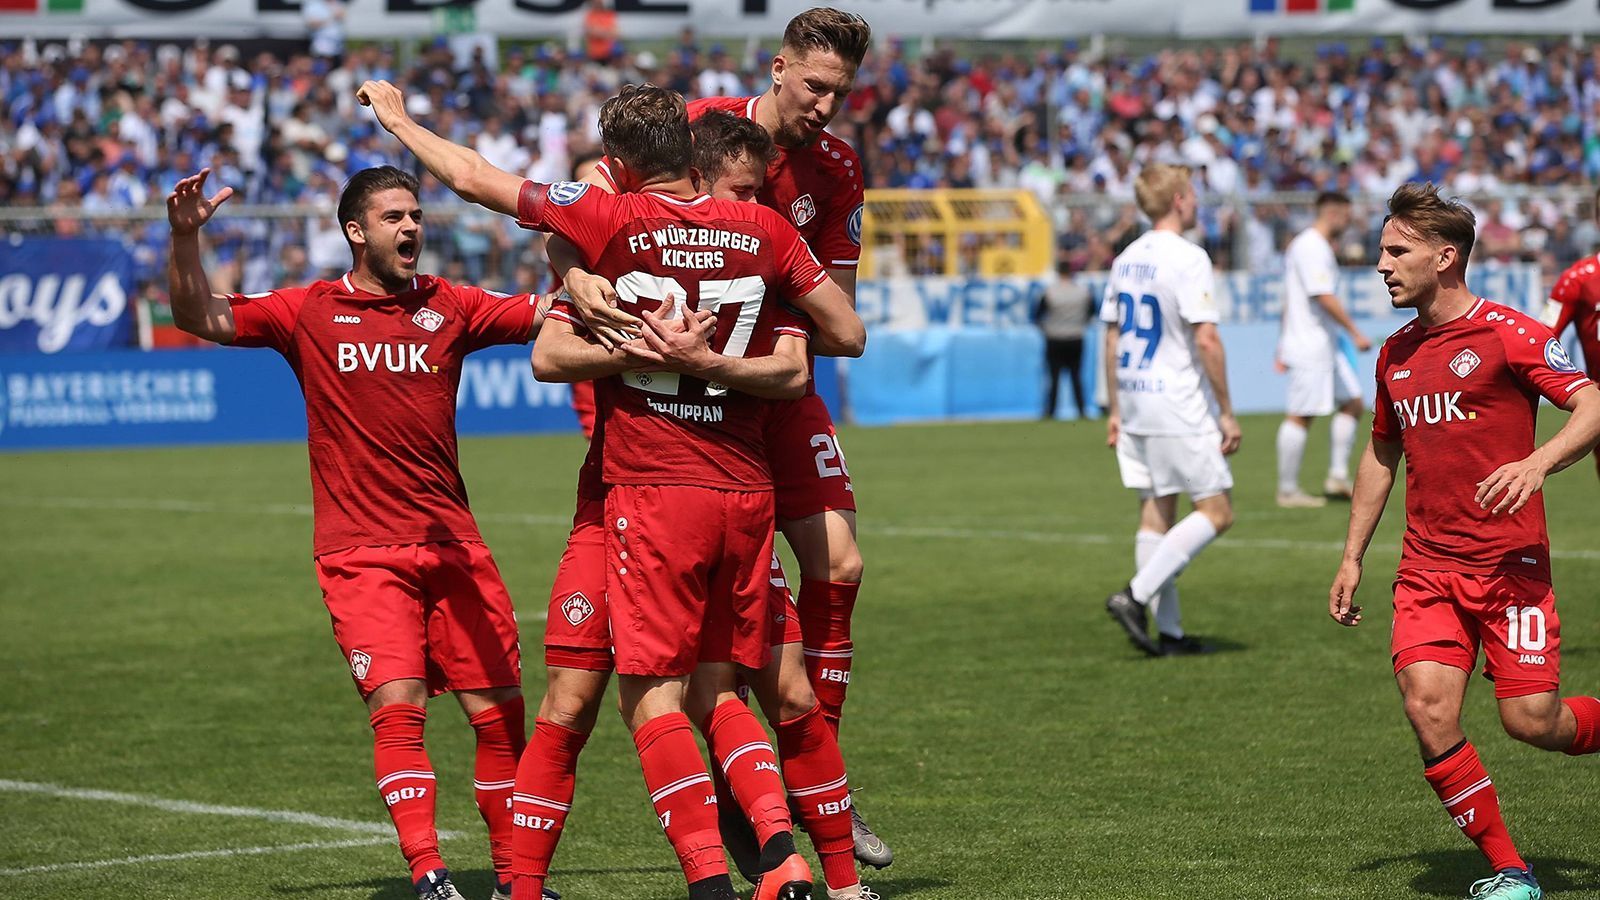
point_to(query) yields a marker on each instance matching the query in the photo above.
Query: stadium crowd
(107, 126)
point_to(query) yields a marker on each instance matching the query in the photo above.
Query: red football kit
(1462, 398)
(680, 450)
(1575, 300)
(819, 188)
(412, 591)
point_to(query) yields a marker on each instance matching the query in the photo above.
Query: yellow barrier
(955, 232)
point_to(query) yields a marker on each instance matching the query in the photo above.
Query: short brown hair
(358, 191)
(1418, 208)
(1156, 185)
(647, 127)
(826, 28)
(722, 137)
(1332, 198)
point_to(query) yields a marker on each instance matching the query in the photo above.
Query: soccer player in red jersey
(1458, 393)
(687, 485)
(1575, 300)
(817, 184)
(418, 606)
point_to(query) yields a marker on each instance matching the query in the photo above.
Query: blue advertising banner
(65, 294)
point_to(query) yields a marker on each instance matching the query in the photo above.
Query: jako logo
(1400, 375)
(346, 320)
(1431, 409)
(1301, 7)
(394, 357)
(58, 304)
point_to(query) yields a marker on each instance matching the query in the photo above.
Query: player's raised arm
(461, 169)
(1374, 480)
(195, 309)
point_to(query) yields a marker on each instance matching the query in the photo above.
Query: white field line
(187, 807)
(897, 531)
(198, 854)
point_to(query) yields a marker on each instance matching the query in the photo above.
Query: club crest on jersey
(359, 664)
(566, 193)
(854, 225)
(803, 210)
(1555, 356)
(577, 609)
(1464, 363)
(427, 319)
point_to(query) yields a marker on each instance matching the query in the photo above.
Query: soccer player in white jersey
(1321, 378)
(1171, 419)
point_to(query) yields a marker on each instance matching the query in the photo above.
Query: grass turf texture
(164, 637)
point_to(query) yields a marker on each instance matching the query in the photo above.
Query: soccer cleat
(1188, 645)
(854, 892)
(1507, 884)
(788, 880)
(1300, 500)
(436, 886)
(503, 892)
(870, 849)
(1131, 615)
(1338, 489)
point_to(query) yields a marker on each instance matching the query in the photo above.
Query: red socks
(500, 742)
(814, 770)
(405, 782)
(1587, 709)
(681, 791)
(825, 610)
(739, 745)
(546, 779)
(1470, 799)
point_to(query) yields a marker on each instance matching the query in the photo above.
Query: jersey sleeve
(1196, 291)
(564, 310)
(799, 272)
(1563, 305)
(579, 212)
(495, 318)
(266, 319)
(1318, 269)
(1539, 362)
(1109, 313)
(839, 235)
(1385, 427)
(791, 322)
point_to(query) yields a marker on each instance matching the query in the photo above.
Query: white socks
(1186, 539)
(1168, 620)
(1343, 441)
(1291, 447)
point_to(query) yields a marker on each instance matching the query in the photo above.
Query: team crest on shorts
(577, 609)
(803, 210)
(359, 664)
(427, 319)
(1464, 363)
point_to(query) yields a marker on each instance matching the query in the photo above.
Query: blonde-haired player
(1171, 419)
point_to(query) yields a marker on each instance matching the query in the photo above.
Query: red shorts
(809, 475)
(438, 611)
(688, 577)
(583, 404)
(577, 634)
(1443, 617)
(785, 615)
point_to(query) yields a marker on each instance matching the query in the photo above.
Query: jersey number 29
(1141, 319)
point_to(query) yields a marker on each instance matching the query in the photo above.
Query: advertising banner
(64, 294)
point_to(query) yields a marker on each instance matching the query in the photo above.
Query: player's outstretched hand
(1514, 483)
(597, 301)
(1363, 343)
(1342, 596)
(386, 101)
(188, 207)
(1232, 434)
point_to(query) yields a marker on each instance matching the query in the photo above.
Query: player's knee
(573, 709)
(1221, 516)
(1429, 714)
(1531, 727)
(845, 565)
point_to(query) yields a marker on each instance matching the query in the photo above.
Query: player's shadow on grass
(1446, 873)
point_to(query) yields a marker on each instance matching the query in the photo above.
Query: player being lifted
(1576, 301)
(684, 472)
(1170, 417)
(418, 606)
(1321, 378)
(816, 183)
(1458, 394)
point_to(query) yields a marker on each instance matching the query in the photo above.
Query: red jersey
(1462, 398)
(739, 259)
(380, 374)
(818, 188)
(1576, 300)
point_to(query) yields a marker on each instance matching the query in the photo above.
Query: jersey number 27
(742, 294)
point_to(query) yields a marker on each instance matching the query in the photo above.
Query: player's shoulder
(699, 107)
(1515, 329)
(1585, 269)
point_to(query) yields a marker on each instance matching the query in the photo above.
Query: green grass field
(164, 639)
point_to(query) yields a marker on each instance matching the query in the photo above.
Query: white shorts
(1318, 390)
(1162, 465)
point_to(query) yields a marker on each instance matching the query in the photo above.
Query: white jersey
(1159, 287)
(1309, 336)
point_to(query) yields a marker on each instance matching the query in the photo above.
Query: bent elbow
(544, 368)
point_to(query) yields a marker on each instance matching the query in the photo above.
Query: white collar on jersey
(351, 287)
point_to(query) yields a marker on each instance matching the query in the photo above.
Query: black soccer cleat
(435, 885)
(1131, 615)
(870, 849)
(1188, 645)
(738, 837)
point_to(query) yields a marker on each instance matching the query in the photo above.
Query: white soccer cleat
(854, 892)
(1338, 488)
(1300, 500)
